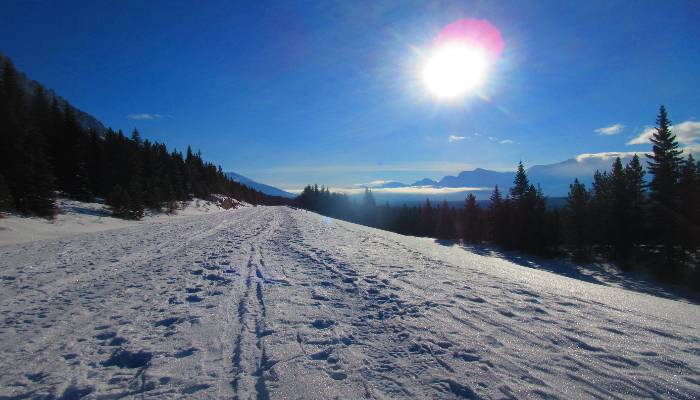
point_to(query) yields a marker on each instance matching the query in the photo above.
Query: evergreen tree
(443, 229)
(533, 235)
(601, 205)
(5, 199)
(369, 207)
(368, 199)
(620, 203)
(472, 220)
(32, 184)
(519, 210)
(664, 166)
(135, 192)
(119, 202)
(526, 211)
(689, 204)
(12, 126)
(634, 175)
(498, 217)
(577, 221)
(520, 184)
(427, 225)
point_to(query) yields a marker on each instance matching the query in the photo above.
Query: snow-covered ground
(270, 302)
(78, 217)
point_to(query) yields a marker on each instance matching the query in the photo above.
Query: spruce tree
(136, 207)
(427, 226)
(32, 186)
(520, 184)
(577, 221)
(619, 212)
(689, 204)
(472, 225)
(119, 202)
(443, 229)
(369, 208)
(368, 199)
(664, 166)
(497, 217)
(634, 177)
(5, 199)
(12, 126)
(601, 205)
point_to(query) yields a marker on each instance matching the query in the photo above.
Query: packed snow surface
(271, 302)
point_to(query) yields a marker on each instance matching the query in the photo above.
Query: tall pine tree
(664, 166)
(577, 221)
(689, 204)
(634, 176)
(497, 217)
(472, 220)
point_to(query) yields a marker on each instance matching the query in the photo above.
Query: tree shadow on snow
(592, 272)
(77, 209)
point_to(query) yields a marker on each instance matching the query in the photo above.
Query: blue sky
(325, 92)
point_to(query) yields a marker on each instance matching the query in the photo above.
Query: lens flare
(460, 59)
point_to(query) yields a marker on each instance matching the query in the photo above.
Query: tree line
(621, 217)
(44, 149)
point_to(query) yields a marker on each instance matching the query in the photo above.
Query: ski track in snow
(270, 302)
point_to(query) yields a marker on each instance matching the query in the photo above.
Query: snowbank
(76, 217)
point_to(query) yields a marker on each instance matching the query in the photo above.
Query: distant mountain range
(554, 179)
(261, 187)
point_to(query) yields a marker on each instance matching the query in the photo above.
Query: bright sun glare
(462, 55)
(455, 69)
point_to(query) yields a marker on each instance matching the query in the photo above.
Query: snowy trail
(270, 302)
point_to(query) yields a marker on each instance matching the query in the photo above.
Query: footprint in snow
(105, 335)
(338, 375)
(127, 359)
(322, 323)
(168, 322)
(117, 341)
(75, 392)
(186, 352)
(195, 388)
(193, 298)
(217, 279)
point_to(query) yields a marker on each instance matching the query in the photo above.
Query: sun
(462, 55)
(455, 69)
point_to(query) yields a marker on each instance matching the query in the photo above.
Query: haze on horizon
(335, 93)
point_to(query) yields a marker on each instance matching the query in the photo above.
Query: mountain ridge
(261, 187)
(28, 85)
(554, 179)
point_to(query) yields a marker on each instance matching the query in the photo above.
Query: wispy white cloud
(687, 133)
(693, 149)
(610, 130)
(145, 116)
(506, 141)
(608, 155)
(455, 138)
(586, 164)
(493, 138)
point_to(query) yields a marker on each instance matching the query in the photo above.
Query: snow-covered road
(270, 302)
